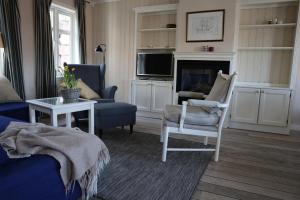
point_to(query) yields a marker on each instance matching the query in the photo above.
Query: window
(63, 34)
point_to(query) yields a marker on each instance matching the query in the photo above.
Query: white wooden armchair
(199, 117)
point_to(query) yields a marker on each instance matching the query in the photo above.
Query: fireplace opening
(196, 77)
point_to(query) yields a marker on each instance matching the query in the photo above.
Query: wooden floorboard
(252, 165)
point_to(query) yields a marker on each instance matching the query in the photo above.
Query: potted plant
(70, 90)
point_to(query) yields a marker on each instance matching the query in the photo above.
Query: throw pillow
(86, 92)
(8, 93)
(219, 91)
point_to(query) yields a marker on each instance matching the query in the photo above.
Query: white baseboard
(295, 127)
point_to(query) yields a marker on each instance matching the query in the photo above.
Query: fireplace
(198, 76)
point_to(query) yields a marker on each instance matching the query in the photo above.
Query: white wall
(296, 96)
(231, 14)
(27, 29)
(114, 25)
(28, 46)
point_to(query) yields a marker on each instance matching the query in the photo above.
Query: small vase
(71, 94)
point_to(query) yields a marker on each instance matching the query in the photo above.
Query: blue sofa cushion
(36, 177)
(18, 110)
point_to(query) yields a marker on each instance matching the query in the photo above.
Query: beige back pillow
(86, 92)
(7, 92)
(219, 90)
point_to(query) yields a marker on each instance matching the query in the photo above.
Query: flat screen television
(154, 64)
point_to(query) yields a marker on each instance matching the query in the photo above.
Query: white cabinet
(256, 106)
(141, 97)
(151, 96)
(161, 96)
(274, 107)
(245, 105)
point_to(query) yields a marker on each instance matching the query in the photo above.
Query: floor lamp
(101, 48)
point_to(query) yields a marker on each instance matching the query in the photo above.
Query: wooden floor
(252, 165)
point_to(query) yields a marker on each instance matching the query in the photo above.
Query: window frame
(57, 9)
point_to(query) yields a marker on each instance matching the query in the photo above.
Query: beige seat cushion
(8, 93)
(194, 115)
(86, 92)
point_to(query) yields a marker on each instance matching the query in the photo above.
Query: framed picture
(205, 26)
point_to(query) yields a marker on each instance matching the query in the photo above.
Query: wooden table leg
(32, 114)
(91, 119)
(54, 119)
(68, 120)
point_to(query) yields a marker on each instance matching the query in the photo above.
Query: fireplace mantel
(224, 56)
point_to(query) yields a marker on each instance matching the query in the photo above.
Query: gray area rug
(136, 172)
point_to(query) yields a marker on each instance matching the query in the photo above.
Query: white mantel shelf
(204, 55)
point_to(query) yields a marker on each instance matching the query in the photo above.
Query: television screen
(155, 64)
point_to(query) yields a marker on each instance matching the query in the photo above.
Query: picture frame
(205, 26)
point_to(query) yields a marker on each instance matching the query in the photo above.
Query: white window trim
(58, 9)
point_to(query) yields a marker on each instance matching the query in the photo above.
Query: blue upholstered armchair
(93, 76)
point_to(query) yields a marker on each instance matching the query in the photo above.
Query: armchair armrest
(109, 93)
(210, 104)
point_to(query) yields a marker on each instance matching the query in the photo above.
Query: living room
(183, 99)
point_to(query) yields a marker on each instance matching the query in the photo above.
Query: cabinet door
(245, 105)
(161, 96)
(274, 107)
(141, 95)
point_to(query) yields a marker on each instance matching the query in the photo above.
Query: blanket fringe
(88, 182)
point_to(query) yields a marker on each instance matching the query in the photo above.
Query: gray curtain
(44, 58)
(13, 58)
(80, 8)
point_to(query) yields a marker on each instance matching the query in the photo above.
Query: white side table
(57, 105)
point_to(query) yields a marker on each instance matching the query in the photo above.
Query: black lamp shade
(99, 49)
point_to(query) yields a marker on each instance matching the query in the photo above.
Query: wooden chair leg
(205, 141)
(165, 146)
(162, 132)
(131, 128)
(218, 148)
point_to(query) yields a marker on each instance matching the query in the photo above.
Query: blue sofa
(36, 177)
(17, 110)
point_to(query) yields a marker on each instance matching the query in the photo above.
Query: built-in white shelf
(265, 48)
(157, 29)
(154, 48)
(262, 85)
(254, 26)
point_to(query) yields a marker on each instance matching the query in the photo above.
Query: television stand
(151, 96)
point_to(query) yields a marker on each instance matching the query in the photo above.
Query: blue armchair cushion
(18, 110)
(119, 108)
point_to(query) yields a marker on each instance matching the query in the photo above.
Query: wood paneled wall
(114, 25)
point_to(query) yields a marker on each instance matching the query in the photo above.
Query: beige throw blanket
(80, 155)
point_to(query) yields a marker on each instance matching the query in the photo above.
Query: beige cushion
(8, 93)
(86, 92)
(219, 91)
(195, 115)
